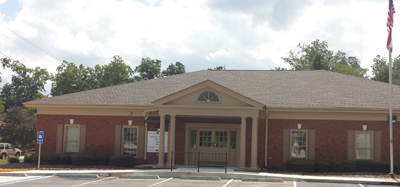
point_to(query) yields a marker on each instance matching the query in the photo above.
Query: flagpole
(390, 114)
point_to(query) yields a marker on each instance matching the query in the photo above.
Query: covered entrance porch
(210, 118)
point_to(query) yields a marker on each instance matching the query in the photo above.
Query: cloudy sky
(237, 34)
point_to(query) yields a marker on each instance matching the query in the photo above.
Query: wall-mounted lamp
(299, 126)
(364, 127)
(129, 122)
(71, 121)
(130, 113)
(394, 119)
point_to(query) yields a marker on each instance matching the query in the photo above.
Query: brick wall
(99, 130)
(330, 138)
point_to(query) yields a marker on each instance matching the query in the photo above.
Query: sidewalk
(231, 174)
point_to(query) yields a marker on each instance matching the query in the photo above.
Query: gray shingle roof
(281, 89)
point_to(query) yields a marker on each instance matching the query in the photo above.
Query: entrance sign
(153, 141)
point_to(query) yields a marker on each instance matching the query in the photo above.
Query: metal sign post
(40, 135)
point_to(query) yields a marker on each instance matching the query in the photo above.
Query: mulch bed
(32, 166)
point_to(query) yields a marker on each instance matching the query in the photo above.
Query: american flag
(389, 25)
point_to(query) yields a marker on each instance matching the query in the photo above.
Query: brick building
(259, 118)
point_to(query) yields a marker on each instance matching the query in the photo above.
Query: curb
(280, 180)
(78, 175)
(191, 177)
(131, 176)
(11, 170)
(14, 174)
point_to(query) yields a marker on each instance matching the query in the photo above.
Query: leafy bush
(103, 158)
(12, 159)
(83, 159)
(382, 167)
(46, 159)
(365, 165)
(28, 157)
(65, 158)
(344, 166)
(321, 166)
(300, 165)
(122, 160)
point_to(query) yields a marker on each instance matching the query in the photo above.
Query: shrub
(46, 159)
(300, 165)
(344, 166)
(83, 159)
(122, 160)
(103, 158)
(65, 158)
(28, 157)
(382, 167)
(12, 159)
(321, 166)
(365, 165)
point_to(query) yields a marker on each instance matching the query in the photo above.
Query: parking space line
(227, 183)
(161, 182)
(11, 182)
(294, 184)
(361, 185)
(92, 182)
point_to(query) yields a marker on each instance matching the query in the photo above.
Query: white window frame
(291, 140)
(199, 94)
(371, 142)
(137, 139)
(65, 136)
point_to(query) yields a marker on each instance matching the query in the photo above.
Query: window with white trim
(364, 145)
(71, 138)
(298, 144)
(130, 141)
(208, 96)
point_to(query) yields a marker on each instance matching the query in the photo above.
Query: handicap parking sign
(40, 137)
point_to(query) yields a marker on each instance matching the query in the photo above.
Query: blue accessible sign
(40, 137)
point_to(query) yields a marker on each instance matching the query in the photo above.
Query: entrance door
(209, 140)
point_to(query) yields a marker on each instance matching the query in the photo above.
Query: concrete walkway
(204, 172)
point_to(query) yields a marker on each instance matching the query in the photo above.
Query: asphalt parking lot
(44, 181)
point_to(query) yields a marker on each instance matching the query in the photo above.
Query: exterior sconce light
(129, 122)
(299, 126)
(71, 121)
(130, 113)
(394, 118)
(364, 127)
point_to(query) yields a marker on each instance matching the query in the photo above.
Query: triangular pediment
(190, 97)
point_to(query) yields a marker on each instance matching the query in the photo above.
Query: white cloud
(200, 34)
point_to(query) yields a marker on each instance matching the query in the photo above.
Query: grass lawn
(4, 161)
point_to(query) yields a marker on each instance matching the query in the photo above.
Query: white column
(266, 143)
(254, 131)
(171, 141)
(242, 157)
(161, 145)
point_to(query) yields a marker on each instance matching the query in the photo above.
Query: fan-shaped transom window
(208, 96)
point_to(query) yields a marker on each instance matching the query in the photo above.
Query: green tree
(69, 74)
(380, 69)
(218, 68)
(317, 56)
(115, 73)
(26, 85)
(172, 69)
(279, 69)
(19, 127)
(148, 69)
